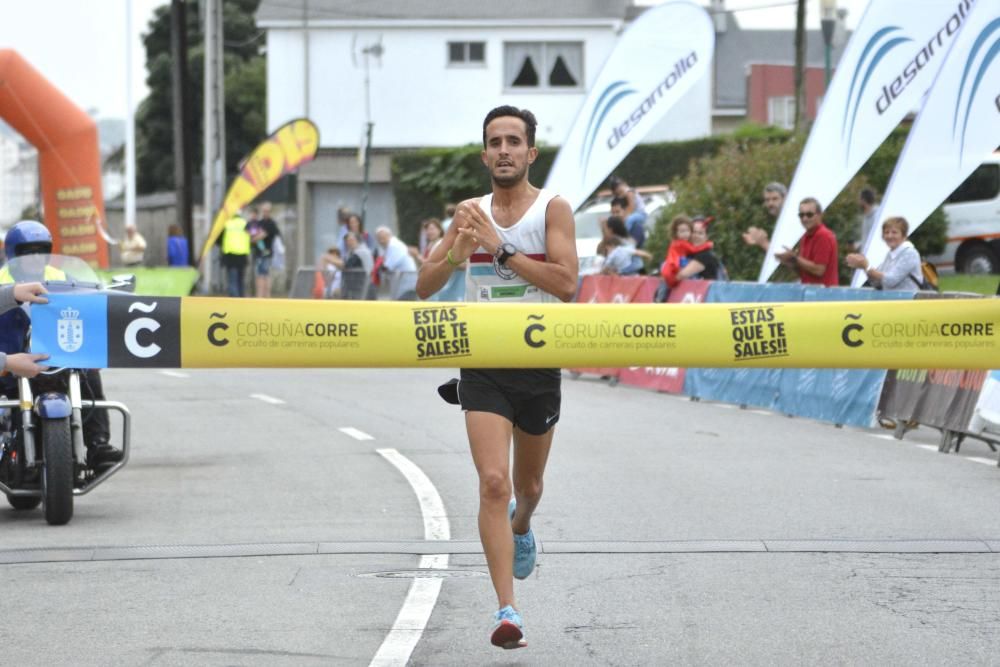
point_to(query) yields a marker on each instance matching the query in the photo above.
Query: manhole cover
(424, 573)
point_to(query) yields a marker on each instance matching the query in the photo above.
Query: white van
(973, 211)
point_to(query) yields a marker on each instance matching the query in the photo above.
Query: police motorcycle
(43, 457)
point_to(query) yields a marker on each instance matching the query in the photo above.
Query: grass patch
(963, 282)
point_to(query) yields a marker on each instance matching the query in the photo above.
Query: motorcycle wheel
(57, 471)
(24, 502)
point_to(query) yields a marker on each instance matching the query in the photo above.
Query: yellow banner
(284, 151)
(251, 333)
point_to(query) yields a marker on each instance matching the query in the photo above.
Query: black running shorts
(529, 398)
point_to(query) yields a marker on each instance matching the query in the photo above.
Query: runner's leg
(489, 440)
(531, 453)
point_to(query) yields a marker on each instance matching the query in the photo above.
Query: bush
(729, 186)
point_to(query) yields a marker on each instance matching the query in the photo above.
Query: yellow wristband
(451, 260)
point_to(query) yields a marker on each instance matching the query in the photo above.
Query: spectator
(400, 266)
(680, 251)
(623, 258)
(356, 282)
(816, 261)
(774, 200)
(869, 215)
(431, 232)
(449, 215)
(702, 262)
(178, 252)
(332, 263)
(133, 247)
(635, 210)
(343, 215)
(454, 289)
(355, 225)
(901, 269)
(263, 236)
(235, 242)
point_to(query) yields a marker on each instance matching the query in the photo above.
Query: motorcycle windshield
(57, 272)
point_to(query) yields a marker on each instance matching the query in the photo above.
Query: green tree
(729, 187)
(244, 67)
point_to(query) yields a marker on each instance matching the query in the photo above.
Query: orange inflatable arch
(69, 160)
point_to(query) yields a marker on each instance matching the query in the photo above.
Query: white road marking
(268, 399)
(930, 448)
(882, 436)
(175, 374)
(982, 459)
(422, 596)
(355, 433)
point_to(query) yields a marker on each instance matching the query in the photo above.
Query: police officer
(27, 239)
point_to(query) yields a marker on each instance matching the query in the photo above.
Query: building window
(543, 65)
(981, 185)
(466, 53)
(781, 111)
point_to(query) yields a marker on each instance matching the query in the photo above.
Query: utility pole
(800, 64)
(214, 165)
(828, 21)
(182, 115)
(369, 51)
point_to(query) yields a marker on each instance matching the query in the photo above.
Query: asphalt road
(249, 529)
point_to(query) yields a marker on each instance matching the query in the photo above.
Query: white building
(433, 71)
(18, 175)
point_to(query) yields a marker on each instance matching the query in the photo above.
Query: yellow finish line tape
(251, 333)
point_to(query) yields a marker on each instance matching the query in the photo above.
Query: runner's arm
(436, 269)
(558, 274)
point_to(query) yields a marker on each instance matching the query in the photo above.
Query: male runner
(520, 245)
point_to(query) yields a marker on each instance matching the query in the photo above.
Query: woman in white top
(901, 268)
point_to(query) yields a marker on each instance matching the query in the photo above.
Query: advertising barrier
(614, 289)
(98, 330)
(668, 379)
(838, 395)
(742, 386)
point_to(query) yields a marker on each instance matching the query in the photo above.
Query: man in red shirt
(816, 261)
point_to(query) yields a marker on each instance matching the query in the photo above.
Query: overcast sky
(80, 45)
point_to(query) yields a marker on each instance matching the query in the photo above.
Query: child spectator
(680, 250)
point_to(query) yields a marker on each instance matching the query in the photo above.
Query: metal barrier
(353, 285)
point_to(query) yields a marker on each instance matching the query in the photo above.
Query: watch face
(503, 271)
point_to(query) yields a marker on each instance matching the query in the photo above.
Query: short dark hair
(506, 110)
(867, 195)
(620, 202)
(617, 226)
(677, 222)
(814, 202)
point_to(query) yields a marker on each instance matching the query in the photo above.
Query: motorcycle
(42, 452)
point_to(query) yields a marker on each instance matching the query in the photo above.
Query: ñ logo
(529, 332)
(215, 330)
(847, 334)
(136, 348)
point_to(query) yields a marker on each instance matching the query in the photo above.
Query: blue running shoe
(508, 629)
(525, 551)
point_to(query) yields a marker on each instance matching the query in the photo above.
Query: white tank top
(483, 283)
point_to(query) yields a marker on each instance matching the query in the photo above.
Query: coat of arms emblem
(70, 331)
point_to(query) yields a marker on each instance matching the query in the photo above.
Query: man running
(520, 246)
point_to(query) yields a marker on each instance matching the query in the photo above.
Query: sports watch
(504, 252)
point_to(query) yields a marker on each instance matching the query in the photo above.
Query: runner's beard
(513, 179)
